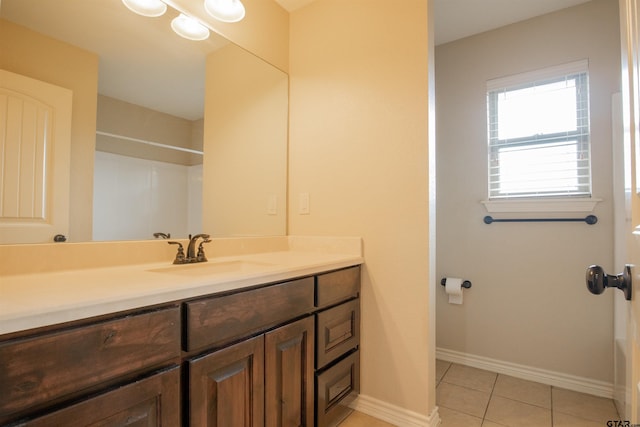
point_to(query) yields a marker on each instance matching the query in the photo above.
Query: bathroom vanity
(237, 349)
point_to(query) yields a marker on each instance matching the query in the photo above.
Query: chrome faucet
(191, 255)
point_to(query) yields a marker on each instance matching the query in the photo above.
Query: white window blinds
(538, 131)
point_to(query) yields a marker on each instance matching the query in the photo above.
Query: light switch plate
(272, 205)
(303, 204)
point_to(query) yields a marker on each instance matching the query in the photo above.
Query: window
(538, 129)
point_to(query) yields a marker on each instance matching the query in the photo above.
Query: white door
(35, 136)
(629, 311)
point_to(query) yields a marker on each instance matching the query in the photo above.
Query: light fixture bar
(225, 10)
(189, 28)
(150, 8)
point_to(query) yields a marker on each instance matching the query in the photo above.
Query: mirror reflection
(150, 127)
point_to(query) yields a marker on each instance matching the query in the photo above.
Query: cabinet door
(289, 375)
(227, 386)
(153, 401)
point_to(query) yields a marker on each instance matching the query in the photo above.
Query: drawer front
(337, 286)
(338, 331)
(48, 367)
(219, 320)
(336, 388)
(153, 401)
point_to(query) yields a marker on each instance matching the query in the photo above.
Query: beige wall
(245, 141)
(34, 55)
(359, 147)
(529, 304)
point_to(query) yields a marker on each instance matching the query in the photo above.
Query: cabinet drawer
(337, 286)
(52, 366)
(219, 320)
(153, 401)
(338, 331)
(336, 388)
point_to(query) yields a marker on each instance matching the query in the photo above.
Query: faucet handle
(197, 236)
(180, 258)
(201, 256)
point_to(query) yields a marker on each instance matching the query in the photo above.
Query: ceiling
(455, 19)
(109, 29)
(142, 61)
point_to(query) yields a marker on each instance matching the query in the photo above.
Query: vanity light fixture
(189, 28)
(150, 8)
(225, 10)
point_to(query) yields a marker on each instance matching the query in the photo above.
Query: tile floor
(470, 397)
(358, 419)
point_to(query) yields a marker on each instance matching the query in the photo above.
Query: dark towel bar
(589, 219)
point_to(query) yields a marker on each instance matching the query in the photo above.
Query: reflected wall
(31, 54)
(245, 166)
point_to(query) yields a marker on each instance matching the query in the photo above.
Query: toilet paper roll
(453, 288)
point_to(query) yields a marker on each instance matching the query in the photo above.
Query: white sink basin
(212, 267)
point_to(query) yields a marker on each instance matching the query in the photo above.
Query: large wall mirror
(187, 136)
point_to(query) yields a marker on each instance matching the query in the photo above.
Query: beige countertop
(33, 300)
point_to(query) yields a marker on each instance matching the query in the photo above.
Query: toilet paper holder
(466, 284)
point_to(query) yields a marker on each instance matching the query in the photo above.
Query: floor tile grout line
(484, 416)
(492, 394)
(482, 419)
(445, 372)
(551, 395)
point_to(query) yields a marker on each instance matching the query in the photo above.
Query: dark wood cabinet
(44, 369)
(226, 388)
(338, 332)
(265, 380)
(217, 320)
(337, 387)
(289, 389)
(148, 402)
(337, 286)
(283, 354)
(337, 346)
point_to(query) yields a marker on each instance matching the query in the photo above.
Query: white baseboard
(394, 414)
(558, 379)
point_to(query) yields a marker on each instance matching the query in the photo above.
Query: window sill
(541, 205)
